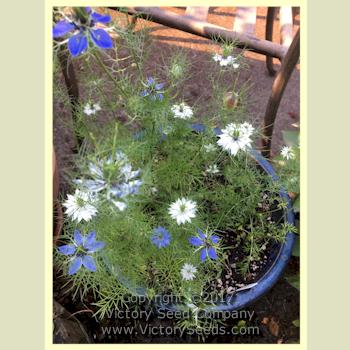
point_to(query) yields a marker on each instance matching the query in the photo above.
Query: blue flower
(79, 41)
(160, 237)
(113, 178)
(205, 242)
(153, 89)
(81, 249)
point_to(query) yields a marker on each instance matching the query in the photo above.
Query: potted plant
(188, 215)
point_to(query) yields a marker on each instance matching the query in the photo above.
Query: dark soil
(274, 313)
(231, 278)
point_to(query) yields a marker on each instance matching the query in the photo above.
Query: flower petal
(75, 265)
(68, 249)
(98, 17)
(91, 185)
(212, 253)
(95, 246)
(160, 97)
(202, 235)
(203, 254)
(198, 128)
(61, 28)
(196, 241)
(101, 38)
(215, 239)
(77, 44)
(120, 205)
(89, 239)
(150, 81)
(89, 263)
(78, 237)
(159, 86)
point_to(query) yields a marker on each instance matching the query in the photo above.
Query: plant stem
(110, 76)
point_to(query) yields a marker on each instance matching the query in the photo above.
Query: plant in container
(185, 214)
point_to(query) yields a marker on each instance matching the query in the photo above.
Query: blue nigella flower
(81, 249)
(205, 243)
(153, 89)
(79, 41)
(113, 178)
(160, 237)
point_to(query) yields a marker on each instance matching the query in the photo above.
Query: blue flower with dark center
(80, 250)
(205, 242)
(83, 30)
(160, 237)
(153, 89)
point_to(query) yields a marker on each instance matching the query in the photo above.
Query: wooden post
(280, 83)
(271, 14)
(57, 209)
(71, 85)
(207, 30)
(198, 12)
(286, 25)
(245, 20)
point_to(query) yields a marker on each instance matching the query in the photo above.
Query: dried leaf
(274, 327)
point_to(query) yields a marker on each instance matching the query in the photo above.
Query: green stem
(110, 76)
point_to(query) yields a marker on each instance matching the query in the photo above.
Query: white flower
(210, 148)
(212, 169)
(90, 108)
(287, 152)
(183, 210)
(188, 272)
(236, 137)
(182, 111)
(226, 61)
(229, 61)
(217, 57)
(120, 205)
(247, 129)
(79, 206)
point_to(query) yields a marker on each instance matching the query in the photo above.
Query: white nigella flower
(210, 148)
(188, 272)
(113, 179)
(236, 137)
(287, 153)
(182, 111)
(183, 210)
(247, 129)
(79, 206)
(217, 57)
(226, 61)
(212, 169)
(229, 61)
(91, 108)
